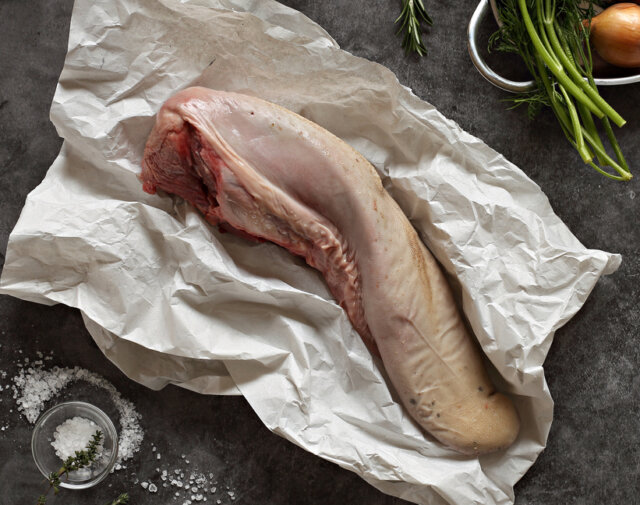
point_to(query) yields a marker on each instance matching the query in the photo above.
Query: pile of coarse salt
(73, 436)
(35, 385)
(7, 387)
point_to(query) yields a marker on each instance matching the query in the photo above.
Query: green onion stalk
(552, 38)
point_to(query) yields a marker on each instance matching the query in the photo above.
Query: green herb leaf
(120, 500)
(552, 38)
(411, 18)
(80, 460)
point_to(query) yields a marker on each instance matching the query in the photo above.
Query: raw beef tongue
(264, 172)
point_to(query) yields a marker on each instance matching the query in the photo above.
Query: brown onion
(615, 34)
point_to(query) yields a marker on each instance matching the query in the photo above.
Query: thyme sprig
(411, 18)
(80, 459)
(123, 499)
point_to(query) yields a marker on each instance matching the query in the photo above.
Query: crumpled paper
(169, 299)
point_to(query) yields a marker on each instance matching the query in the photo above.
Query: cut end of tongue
(178, 161)
(169, 164)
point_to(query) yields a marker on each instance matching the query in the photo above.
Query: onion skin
(615, 34)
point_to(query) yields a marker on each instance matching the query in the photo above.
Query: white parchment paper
(171, 300)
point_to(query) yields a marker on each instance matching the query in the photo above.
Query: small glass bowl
(44, 453)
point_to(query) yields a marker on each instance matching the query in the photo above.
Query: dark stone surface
(593, 454)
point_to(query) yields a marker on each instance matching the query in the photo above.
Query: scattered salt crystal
(194, 489)
(158, 456)
(153, 488)
(213, 489)
(145, 485)
(153, 449)
(73, 435)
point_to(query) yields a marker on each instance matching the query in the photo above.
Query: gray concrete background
(593, 455)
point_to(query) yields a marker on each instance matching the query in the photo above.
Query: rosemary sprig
(411, 18)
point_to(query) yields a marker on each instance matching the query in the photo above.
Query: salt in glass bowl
(44, 453)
